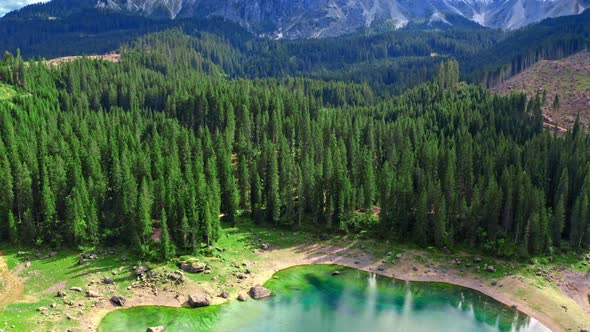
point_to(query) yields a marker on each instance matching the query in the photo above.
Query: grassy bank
(238, 253)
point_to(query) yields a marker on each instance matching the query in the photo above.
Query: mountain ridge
(330, 18)
(306, 19)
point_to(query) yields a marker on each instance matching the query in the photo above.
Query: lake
(309, 299)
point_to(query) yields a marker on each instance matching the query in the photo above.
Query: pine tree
(555, 105)
(559, 214)
(440, 226)
(273, 203)
(421, 226)
(12, 229)
(48, 209)
(229, 191)
(144, 214)
(214, 202)
(168, 251)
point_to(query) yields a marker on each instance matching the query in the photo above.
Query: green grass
(6, 92)
(46, 275)
(236, 246)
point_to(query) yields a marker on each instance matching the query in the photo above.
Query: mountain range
(329, 18)
(302, 19)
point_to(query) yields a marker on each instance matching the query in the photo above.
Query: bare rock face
(259, 292)
(198, 300)
(331, 18)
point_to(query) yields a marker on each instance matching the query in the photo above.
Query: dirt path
(577, 286)
(545, 305)
(11, 288)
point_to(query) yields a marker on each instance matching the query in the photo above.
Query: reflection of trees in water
(311, 298)
(393, 296)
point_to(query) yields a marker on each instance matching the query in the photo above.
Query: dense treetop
(168, 139)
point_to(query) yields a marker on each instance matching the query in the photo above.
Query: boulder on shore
(92, 293)
(193, 267)
(141, 270)
(118, 300)
(259, 292)
(242, 298)
(177, 276)
(198, 300)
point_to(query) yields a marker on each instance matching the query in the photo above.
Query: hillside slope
(568, 78)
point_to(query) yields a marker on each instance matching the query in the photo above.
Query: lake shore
(548, 305)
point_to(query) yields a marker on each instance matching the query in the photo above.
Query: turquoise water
(310, 299)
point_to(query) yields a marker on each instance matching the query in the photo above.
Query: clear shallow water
(310, 299)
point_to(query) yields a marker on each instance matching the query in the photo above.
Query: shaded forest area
(94, 152)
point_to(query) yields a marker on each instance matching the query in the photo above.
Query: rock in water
(242, 298)
(259, 292)
(118, 300)
(336, 273)
(198, 300)
(156, 329)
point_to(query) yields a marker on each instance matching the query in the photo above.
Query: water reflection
(310, 299)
